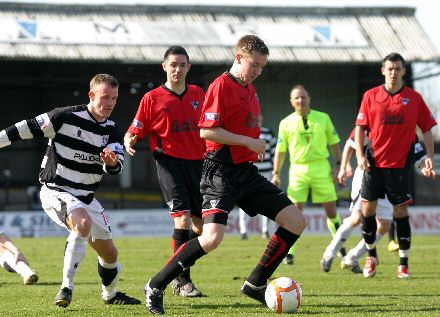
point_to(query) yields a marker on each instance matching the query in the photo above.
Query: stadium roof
(141, 33)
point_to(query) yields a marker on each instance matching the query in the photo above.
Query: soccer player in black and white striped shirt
(83, 144)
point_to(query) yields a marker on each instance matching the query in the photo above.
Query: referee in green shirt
(306, 134)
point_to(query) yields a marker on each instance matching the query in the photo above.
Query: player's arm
(38, 127)
(278, 162)
(220, 135)
(113, 154)
(429, 168)
(130, 140)
(347, 153)
(335, 149)
(140, 125)
(359, 139)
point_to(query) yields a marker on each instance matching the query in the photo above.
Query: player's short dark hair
(103, 79)
(251, 43)
(175, 50)
(394, 57)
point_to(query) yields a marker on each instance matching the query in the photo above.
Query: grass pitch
(220, 275)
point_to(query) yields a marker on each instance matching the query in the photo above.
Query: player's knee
(292, 219)
(183, 221)
(113, 255)
(83, 226)
(383, 227)
(197, 225)
(355, 220)
(211, 242)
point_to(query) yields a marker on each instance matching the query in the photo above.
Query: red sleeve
(352, 133)
(362, 117)
(426, 118)
(213, 109)
(142, 121)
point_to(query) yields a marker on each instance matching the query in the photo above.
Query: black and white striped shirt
(72, 162)
(271, 142)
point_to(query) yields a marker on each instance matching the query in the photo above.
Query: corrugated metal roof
(377, 32)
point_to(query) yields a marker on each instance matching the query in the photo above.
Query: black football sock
(180, 236)
(193, 234)
(276, 250)
(403, 230)
(184, 258)
(369, 228)
(392, 231)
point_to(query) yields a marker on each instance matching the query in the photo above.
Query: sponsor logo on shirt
(254, 119)
(195, 104)
(86, 157)
(183, 126)
(212, 116)
(405, 101)
(138, 124)
(360, 116)
(392, 120)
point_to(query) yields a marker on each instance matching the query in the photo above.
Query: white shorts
(58, 205)
(384, 208)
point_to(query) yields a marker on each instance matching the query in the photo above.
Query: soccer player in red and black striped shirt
(391, 112)
(230, 123)
(170, 114)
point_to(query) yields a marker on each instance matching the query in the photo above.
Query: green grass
(220, 275)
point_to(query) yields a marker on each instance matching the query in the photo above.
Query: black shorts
(394, 182)
(225, 185)
(179, 181)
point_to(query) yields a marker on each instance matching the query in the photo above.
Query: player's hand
(276, 180)
(342, 179)
(109, 157)
(258, 146)
(428, 170)
(363, 163)
(349, 172)
(129, 142)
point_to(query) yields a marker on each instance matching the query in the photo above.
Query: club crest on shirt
(105, 139)
(405, 101)
(195, 104)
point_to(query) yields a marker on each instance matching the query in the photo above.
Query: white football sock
(110, 290)
(74, 254)
(242, 221)
(264, 224)
(7, 260)
(342, 234)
